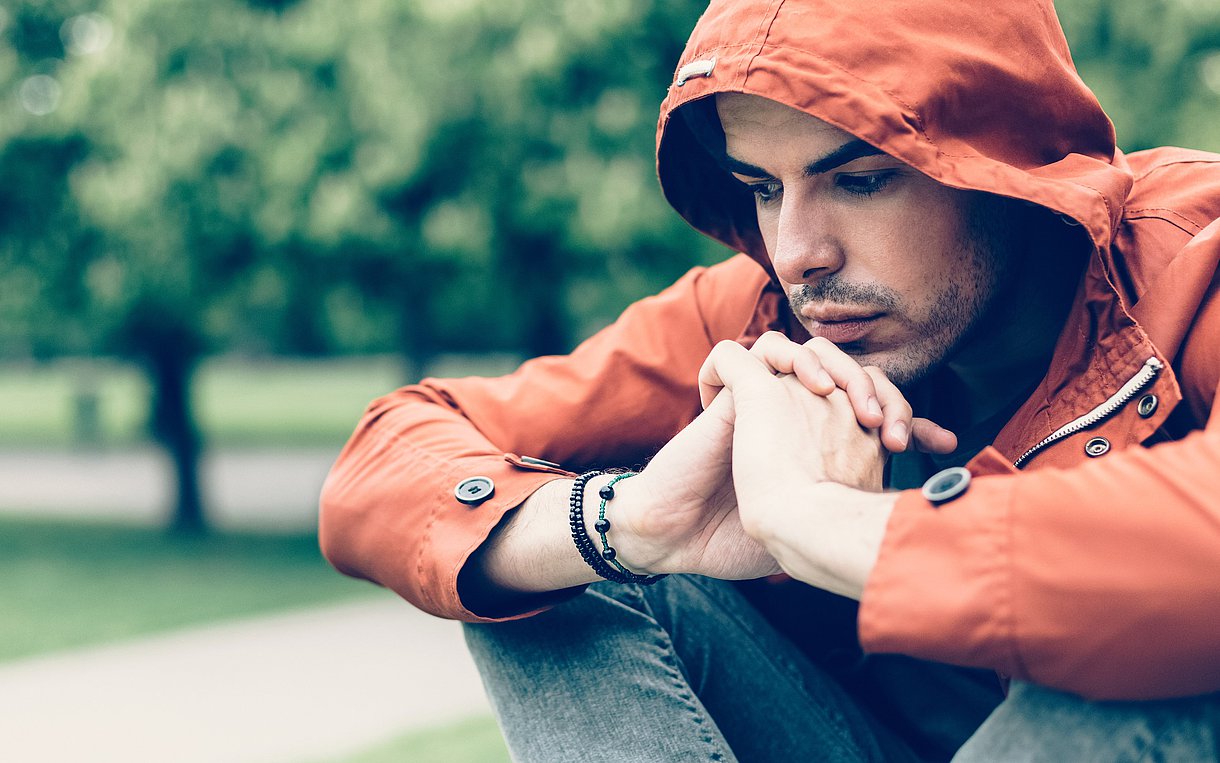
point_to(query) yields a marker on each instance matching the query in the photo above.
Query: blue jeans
(687, 670)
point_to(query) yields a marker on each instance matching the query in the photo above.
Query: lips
(840, 326)
(842, 332)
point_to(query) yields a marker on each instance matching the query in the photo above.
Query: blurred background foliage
(180, 180)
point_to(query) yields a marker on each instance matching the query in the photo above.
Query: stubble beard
(958, 312)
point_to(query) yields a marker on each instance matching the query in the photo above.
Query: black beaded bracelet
(576, 519)
(600, 562)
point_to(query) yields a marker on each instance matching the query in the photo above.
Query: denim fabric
(1039, 724)
(687, 670)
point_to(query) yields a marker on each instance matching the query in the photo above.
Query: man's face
(875, 256)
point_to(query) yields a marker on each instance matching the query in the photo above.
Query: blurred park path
(292, 688)
(265, 488)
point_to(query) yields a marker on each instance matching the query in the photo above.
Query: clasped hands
(781, 472)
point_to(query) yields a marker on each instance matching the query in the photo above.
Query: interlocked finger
(821, 367)
(778, 355)
(897, 413)
(728, 365)
(850, 377)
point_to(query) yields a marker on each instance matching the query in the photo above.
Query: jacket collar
(1100, 350)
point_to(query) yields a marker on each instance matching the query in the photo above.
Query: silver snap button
(1147, 406)
(946, 484)
(1098, 446)
(474, 490)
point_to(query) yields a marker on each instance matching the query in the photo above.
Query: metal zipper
(1142, 379)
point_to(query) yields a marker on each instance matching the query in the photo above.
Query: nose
(806, 245)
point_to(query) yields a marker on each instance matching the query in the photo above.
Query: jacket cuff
(940, 589)
(454, 531)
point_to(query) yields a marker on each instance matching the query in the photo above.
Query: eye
(765, 193)
(865, 184)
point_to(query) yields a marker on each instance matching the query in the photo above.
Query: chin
(903, 368)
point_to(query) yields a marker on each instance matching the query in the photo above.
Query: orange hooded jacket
(1097, 574)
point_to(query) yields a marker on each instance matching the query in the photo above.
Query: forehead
(745, 117)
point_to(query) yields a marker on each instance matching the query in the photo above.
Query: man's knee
(608, 617)
(1037, 724)
(602, 608)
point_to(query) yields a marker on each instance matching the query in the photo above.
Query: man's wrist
(530, 552)
(632, 550)
(834, 540)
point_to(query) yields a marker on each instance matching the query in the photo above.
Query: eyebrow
(848, 152)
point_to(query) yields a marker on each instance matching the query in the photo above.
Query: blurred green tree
(180, 178)
(1155, 66)
(315, 177)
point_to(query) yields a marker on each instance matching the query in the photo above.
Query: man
(931, 209)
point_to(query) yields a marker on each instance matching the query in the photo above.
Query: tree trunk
(537, 278)
(173, 426)
(416, 341)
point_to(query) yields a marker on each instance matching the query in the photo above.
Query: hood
(976, 95)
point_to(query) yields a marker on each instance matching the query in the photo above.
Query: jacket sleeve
(1102, 579)
(388, 510)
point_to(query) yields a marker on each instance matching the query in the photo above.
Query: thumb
(929, 437)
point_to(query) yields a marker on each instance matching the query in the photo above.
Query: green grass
(238, 402)
(298, 402)
(37, 402)
(475, 740)
(73, 585)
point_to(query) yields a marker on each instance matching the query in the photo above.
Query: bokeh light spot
(86, 34)
(1209, 71)
(39, 94)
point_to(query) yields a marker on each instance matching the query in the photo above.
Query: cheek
(932, 234)
(926, 253)
(769, 229)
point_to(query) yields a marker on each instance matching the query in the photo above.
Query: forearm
(533, 551)
(830, 537)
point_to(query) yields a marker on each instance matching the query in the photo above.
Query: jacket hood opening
(976, 97)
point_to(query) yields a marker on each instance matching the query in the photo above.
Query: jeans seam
(670, 659)
(796, 676)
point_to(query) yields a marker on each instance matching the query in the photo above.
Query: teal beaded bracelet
(602, 526)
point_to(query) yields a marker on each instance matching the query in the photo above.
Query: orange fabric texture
(1097, 576)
